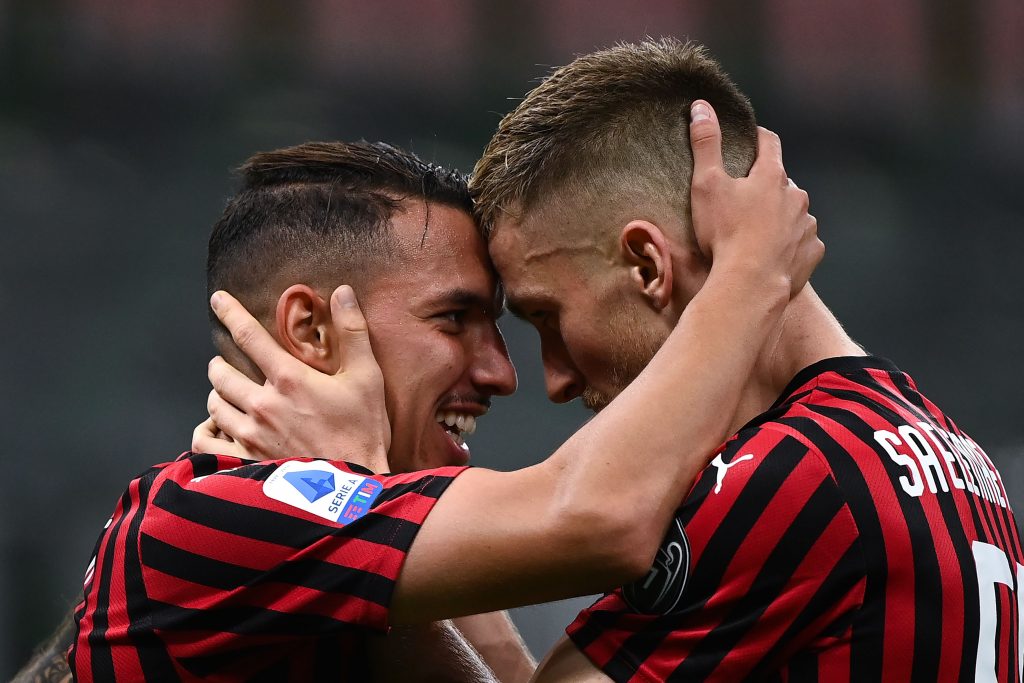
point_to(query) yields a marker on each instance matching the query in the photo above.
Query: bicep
(496, 540)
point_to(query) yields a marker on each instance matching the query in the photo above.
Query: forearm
(496, 639)
(592, 516)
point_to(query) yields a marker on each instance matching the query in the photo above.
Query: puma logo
(723, 467)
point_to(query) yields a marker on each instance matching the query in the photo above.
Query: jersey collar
(840, 365)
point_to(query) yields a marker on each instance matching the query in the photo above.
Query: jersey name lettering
(924, 451)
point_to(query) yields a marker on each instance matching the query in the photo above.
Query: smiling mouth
(457, 426)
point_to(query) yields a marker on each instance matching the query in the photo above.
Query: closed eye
(542, 319)
(453, 321)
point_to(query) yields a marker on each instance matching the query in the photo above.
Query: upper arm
(774, 563)
(298, 540)
(352, 549)
(496, 540)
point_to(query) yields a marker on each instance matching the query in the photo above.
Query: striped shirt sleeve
(278, 549)
(770, 561)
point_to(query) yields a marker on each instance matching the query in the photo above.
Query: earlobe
(647, 254)
(303, 322)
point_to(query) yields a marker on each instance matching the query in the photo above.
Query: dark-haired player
(849, 530)
(216, 567)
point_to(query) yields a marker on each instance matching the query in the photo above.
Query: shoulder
(321, 491)
(767, 457)
(828, 431)
(760, 486)
(206, 472)
(765, 508)
(341, 493)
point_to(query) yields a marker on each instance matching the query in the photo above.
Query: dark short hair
(318, 214)
(609, 126)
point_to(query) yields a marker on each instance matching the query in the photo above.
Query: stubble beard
(636, 346)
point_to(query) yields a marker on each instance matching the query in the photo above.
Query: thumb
(705, 139)
(350, 326)
(204, 433)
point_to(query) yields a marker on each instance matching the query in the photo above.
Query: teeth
(458, 440)
(465, 423)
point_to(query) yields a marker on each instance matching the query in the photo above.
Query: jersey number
(993, 567)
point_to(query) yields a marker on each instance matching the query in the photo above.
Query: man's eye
(543, 319)
(452, 320)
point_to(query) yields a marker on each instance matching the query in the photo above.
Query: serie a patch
(323, 489)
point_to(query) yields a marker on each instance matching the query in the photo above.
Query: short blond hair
(610, 123)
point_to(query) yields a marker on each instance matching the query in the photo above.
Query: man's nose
(493, 372)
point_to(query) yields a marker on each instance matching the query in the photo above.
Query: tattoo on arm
(50, 664)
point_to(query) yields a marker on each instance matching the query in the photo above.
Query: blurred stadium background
(120, 122)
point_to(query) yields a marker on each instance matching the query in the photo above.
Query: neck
(806, 334)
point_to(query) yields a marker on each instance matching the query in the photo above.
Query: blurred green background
(120, 122)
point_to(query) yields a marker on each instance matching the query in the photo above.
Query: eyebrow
(470, 299)
(517, 306)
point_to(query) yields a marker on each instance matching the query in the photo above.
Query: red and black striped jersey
(217, 568)
(850, 533)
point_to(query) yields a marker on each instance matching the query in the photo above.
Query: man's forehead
(440, 256)
(424, 225)
(529, 260)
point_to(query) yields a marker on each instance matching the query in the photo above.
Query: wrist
(751, 275)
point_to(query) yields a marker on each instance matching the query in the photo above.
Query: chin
(596, 401)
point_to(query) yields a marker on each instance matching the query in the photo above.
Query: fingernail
(215, 300)
(699, 112)
(346, 297)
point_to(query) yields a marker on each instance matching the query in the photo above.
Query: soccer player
(213, 566)
(849, 530)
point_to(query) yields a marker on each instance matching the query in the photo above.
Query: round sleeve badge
(661, 591)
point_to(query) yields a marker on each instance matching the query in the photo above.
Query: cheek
(598, 346)
(592, 357)
(587, 338)
(426, 371)
(437, 354)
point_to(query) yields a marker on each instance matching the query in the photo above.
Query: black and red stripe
(813, 562)
(200, 574)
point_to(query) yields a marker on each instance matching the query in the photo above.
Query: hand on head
(299, 411)
(760, 221)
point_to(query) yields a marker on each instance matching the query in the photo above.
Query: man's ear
(647, 254)
(303, 323)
